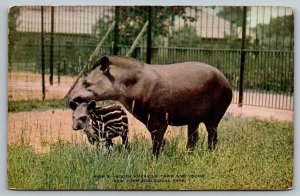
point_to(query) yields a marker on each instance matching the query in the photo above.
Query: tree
(186, 37)
(233, 14)
(13, 15)
(133, 18)
(278, 34)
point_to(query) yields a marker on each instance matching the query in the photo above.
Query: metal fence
(252, 46)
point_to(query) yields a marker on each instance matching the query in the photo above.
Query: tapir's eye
(86, 84)
(83, 118)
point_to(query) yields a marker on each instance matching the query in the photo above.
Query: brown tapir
(160, 95)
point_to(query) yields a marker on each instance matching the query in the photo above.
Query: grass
(251, 154)
(40, 105)
(31, 105)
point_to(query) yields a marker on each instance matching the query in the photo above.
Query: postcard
(150, 98)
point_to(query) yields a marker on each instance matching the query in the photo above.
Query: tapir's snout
(76, 127)
(80, 94)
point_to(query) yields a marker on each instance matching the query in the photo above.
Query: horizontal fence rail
(216, 35)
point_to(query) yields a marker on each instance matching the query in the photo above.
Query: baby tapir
(100, 123)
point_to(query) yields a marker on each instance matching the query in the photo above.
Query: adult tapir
(160, 95)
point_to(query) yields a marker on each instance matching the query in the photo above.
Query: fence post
(149, 36)
(116, 31)
(64, 66)
(242, 58)
(58, 72)
(59, 64)
(51, 45)
(42, 52)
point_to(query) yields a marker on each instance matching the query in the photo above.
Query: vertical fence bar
(43, 52)
(116, 31)
(58, 72)
(243, 55)
(51, 45)
(149, 36)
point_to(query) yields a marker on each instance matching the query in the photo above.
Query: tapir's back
(193, 91)
(191, 73)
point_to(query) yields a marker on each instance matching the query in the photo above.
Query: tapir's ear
(91, 105)
(73, 105)
(104, 62)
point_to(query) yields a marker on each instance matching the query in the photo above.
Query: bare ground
(24, 86)
(40, 129)
(261, 112)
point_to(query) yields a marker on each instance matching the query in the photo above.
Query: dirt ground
(24, 86)
(261, 112)
(42, 128)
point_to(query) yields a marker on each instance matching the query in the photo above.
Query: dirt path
(24, 86)
(40, 129)
(261, 112)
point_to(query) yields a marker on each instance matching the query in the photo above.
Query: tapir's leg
(193, 136)
(108, 143)
(212, 136)
(124, 139)
(157, 131)
(124, 136)
(157, 137)
(90, 139)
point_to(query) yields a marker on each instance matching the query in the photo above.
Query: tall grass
(251, 154)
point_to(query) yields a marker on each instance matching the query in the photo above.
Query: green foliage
(272, 71)
(264, 71)
(277, 35)
(232, 14)
(70, 52)
(186, 37)
(31, 105)
(251, 154)
(133, 18)
(281, 26)
(14, 13)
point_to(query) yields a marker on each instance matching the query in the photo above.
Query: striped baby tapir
(100, 123)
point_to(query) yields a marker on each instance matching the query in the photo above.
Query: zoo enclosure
(252, 46)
